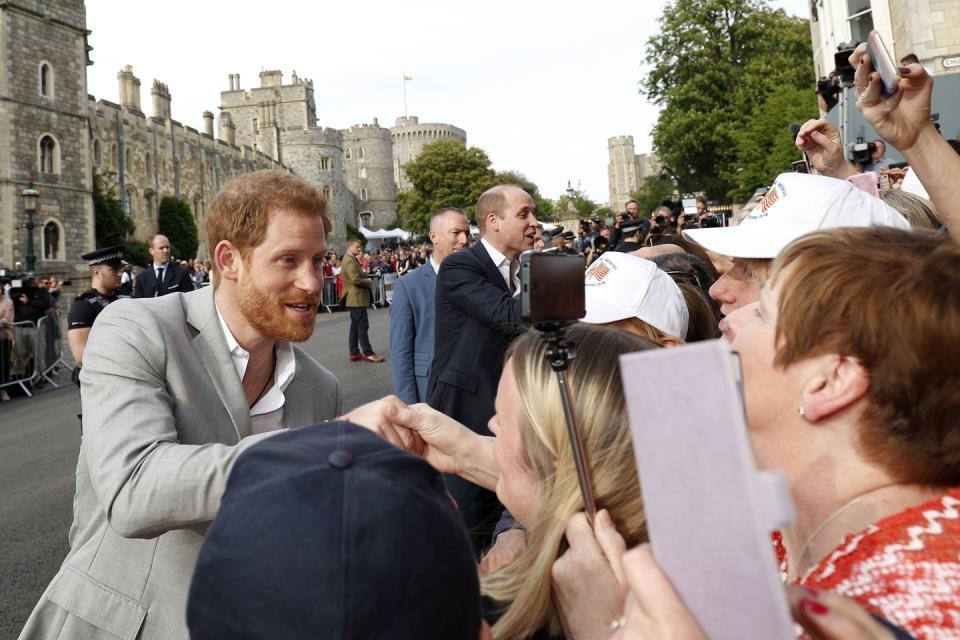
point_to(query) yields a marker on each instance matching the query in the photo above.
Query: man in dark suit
(412, 310)
(478, 314)
(164, 275)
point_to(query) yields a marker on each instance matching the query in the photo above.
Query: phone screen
(882, 61)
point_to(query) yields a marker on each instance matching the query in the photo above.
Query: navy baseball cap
(330, 531)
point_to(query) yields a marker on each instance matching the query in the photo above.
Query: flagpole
(404, 95)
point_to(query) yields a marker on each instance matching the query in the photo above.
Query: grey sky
(540, 86)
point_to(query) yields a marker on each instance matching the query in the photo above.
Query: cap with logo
(621, 286)
(108, 255)
(797, 204)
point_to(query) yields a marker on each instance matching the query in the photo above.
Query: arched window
(97, 153)
(363, 193)
(326, 192)
(361, 153)
(48, 154)
(128, 160)
(349, 153)
(51, 241)
(149, 203)
(45, 79)
(113, 155)
(197, 207)
(363, 172)
(149, 162)
(130, 202)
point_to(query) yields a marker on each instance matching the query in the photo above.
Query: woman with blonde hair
(530, 464)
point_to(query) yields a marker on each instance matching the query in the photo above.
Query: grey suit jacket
(164, 419)
(412, 319)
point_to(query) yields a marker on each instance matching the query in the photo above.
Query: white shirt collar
(497, 257)
(509, 268)
(283, 372)
(435, 265)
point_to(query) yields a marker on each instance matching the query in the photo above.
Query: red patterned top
(904, 568)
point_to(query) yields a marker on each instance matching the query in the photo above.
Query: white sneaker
(4, 396)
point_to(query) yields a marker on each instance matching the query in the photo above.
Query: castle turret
(368, 173)
(228, 132)
(208, 123)
(272, 78)
(161, 100)
(129, 89)
(410, 136)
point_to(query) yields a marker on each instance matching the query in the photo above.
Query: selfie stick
(559, 353)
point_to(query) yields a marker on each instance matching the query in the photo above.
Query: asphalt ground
(39, 441)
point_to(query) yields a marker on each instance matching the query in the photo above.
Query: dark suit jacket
(176, 279)
(412, 320)
(476, 318)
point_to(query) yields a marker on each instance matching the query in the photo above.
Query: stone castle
(52, 131)
(627, 170)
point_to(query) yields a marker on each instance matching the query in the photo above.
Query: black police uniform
(88, 305)
(629, 228)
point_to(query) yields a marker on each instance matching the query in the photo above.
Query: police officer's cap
(631, 226)
(112, 256)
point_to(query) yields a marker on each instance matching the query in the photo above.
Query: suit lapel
(298, 402)
(483, 255)
(213, 356)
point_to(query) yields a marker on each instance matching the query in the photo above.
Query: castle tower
(44, 113)
(129, 89)
(293, 106)
(161, 100)
(410, 136)
(369, 174)
(623, 177)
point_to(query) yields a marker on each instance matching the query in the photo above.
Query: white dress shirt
(509, 269)
(267, 413)
(435, 265)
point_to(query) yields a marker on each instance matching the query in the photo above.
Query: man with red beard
(173, 390)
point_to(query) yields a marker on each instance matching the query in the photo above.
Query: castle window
(363, 193)
(52, 249)
(97, 154)
(326, 192)
(349, 153)
(361, 153)
(254, 125)
(149, 203)
(46, 80)
(197, 207)
(149, 162)
(48, 155)
(324, 163)
(113, 155)
(128, 159)
(363, 172)
(130, 201)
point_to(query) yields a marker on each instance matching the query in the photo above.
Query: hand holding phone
(882, 61)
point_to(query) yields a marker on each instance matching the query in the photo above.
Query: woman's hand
(900, 118)
(588, 581)
(825, 615)
(821, 141)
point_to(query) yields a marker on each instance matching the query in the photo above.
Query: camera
(710, 221)
(860, 151)
(552, 289)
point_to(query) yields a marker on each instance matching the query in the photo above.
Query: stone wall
(928, 28)
(368, 172)
(410, 137)
(43, 100)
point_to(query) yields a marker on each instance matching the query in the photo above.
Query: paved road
(39, 439)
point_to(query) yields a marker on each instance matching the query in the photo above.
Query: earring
(802, 411)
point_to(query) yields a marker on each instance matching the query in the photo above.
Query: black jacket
(476, 318)
(176, 279)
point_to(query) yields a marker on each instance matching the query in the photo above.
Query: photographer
(633, 232)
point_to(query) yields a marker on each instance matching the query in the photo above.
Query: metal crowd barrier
(49, 348)
(21, 359)
(328, 296)
(379, 298)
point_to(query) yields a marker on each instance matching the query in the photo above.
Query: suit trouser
(480, 510)
(359, 326)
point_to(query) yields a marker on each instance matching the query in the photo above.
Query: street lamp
(30, 197)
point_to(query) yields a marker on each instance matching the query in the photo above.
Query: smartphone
(552, 288)
(801, 166)
(882, 61)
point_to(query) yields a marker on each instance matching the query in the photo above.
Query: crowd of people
(223, 493)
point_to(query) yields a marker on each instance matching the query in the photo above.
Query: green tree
(446, 173)
(655, 191)
(175, 220)
(714, 64)
(546, 209)
(113, 226)
(580, 201)
(764, 145)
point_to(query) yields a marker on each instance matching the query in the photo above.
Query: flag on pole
(406, 77)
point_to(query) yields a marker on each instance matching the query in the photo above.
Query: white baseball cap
(621, 286)
(797, 204)
(911, 184)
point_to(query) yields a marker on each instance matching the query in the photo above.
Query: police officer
(632, 236)
(106, 265)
